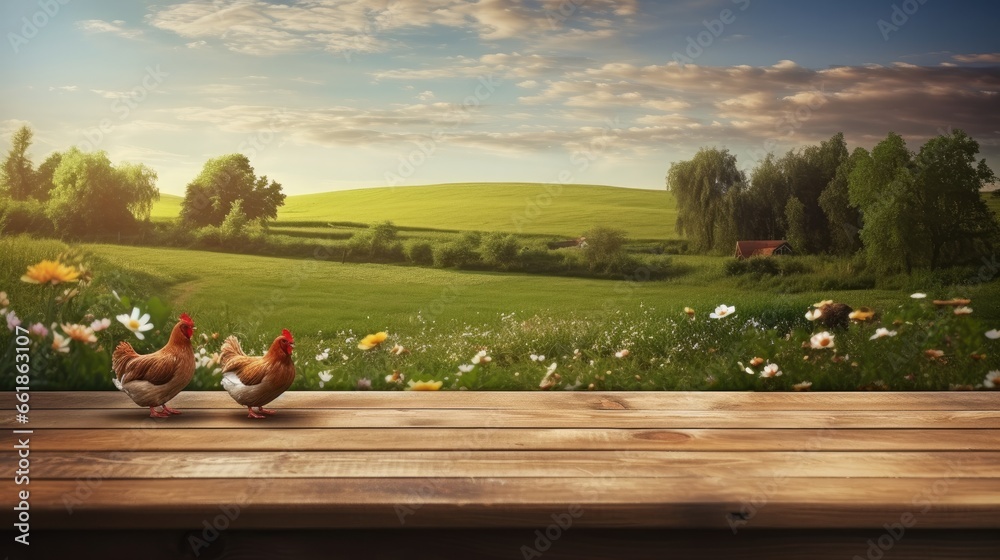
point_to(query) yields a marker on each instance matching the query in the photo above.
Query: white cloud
(984, 57)
(510, 65)
(426, 95)
(63, 88)
(364, 26)
(116, 27)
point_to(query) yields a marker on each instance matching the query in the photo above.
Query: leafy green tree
(93, 196)
(843, 218)
(795, 216)
(762, 211)
(883, 188)
(808, 173)
(702, 188)
(17, 174)
(950, 181)
(235, 224)
(223, 181)
(43, 176)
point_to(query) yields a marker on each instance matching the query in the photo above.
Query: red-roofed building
(747, 249)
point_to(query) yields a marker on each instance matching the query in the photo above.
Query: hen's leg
(267, 411)
(153, 413)
(252, 414)
(169, 410)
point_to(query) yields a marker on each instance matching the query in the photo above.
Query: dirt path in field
(183, 291)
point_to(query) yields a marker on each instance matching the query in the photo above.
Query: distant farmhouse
(747, 249)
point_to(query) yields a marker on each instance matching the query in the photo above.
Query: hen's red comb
(287, 335)
(187, 319)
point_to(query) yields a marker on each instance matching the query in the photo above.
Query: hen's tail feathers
(230, 349)
(230, 381)
(122, 355)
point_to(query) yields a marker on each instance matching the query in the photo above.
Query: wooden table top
(709, 460)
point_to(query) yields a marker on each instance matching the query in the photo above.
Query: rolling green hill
(515, 207)
(167, 208)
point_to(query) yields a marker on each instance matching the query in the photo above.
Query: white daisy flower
(882, 332)
(992, 379)
(821, 340)
(722, 311)
(324, 378)
(771, 370)
(136, 324)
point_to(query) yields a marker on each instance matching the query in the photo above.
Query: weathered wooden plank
(468, 418)
(701, 502)
(533, 400)
(500, 439)
(504, 464)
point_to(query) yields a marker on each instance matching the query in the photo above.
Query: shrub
(455, 254)
(209, 236)
(378, 242)
(234, 226)
(25, 216)
(500, 250)
(788, 266)
(755, 265)
(605, 248)
(420, 252)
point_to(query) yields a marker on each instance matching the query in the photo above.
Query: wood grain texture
(587, 464)
(701, 502)
(137, 418)
(516, 439)
(692, 461)
(563, 400)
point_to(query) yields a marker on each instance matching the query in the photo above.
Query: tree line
(83, 194)
(899, 209)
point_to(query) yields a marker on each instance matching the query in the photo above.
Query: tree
(92, 196)
(950, 182)
(44, 174)
(795, 216)
(843, 218)
(762, 212)
(223, 181)
(138, 182)
(702, 188)
(883, 188)
(17, 174)
(235, 223)
(809, 173)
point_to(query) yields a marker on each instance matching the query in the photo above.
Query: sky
(331, 95)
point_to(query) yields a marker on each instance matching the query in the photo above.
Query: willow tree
(92, 196)
(705, 188)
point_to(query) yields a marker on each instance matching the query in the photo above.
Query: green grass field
(311, 295)
(565, 210)
(445, 316)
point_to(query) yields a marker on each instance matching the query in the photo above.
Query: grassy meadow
(526, 331)
(560, 210)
